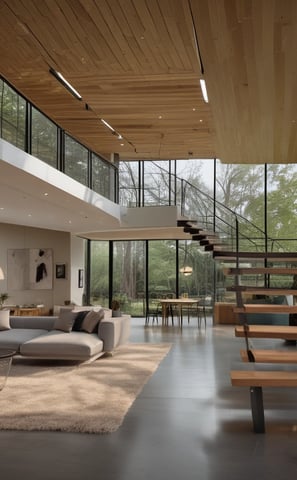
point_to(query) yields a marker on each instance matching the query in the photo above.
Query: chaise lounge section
(81, 335)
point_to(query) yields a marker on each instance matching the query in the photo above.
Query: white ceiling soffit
(51, 200)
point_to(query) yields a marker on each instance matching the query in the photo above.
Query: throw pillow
(4, 320)
(80, 315)
(65, 320)
(92, 320)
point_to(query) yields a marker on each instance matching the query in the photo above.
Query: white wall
(77, 263)
(66, 249)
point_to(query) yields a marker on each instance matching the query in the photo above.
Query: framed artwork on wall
(80, 278)
(30, 269)
(60, 270)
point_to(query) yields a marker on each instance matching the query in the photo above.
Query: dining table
(181, 303)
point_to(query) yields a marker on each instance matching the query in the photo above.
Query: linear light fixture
(113, 131)
(117, 134)
(204, 90)
(65, 83)
(107, 125)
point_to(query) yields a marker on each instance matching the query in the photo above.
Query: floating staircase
(263, 265)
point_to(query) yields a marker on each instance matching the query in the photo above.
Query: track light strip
(65, 83)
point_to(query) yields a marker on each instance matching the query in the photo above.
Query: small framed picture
(60, 270)
(80, 278)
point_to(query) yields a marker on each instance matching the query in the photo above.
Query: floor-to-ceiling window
(103, 179)
(30, 130)
(76, 160)
(196, 270)
(44, 138)
(240, 189)
(99, 273)
(12, 116)
(282, 207)
(161, 268)
(128, 275)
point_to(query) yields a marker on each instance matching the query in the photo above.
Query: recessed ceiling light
(200, 120)
(29, 214)
(204, 90)
(160, 117)
(122, 144)
(45, 194)
(194, 109)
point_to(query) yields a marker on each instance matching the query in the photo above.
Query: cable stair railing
(241, 249)
(226, 242)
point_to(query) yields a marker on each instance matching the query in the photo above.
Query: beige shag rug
(89, 398)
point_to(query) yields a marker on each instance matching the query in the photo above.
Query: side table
(6, 356)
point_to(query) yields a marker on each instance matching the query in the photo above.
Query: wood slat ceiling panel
(131, 60)
(248, 51)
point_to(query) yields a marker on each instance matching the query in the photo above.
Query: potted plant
(115, 307)
(4, 314)
(3, 298)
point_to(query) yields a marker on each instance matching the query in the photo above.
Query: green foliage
(241, 188)
(3, 298)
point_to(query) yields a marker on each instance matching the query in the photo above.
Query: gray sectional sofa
(73, 335)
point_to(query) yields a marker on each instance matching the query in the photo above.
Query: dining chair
(153, 311)
(203, 306)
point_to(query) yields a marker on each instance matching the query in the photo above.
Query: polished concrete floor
(187, 423)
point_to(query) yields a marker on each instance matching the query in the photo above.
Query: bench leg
(257, 409)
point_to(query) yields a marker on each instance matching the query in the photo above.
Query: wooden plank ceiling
(136, 65)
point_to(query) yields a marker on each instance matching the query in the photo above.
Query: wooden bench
(255, 380)
(270, 356)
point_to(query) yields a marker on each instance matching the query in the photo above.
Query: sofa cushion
(63, 345)
(76, 327)
(41, 323)
(92, 320)
(4, 320)
(14, 337)
(65, 320)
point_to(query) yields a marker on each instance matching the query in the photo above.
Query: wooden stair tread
(276, 256)
(260, 270)
(211, 241)
(205, 233)
(265, 308)
(271, 356)
(182, 222)
(286, 332)
(262, 378)
(262, 290)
